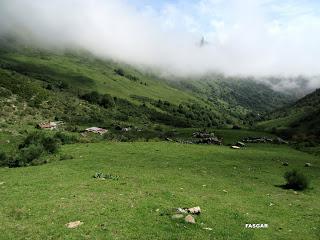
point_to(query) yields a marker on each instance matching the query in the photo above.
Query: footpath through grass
(232, 188)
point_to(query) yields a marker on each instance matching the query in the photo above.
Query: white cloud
(247, 37)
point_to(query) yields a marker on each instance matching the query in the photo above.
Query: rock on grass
(190, 219)
(74, 224)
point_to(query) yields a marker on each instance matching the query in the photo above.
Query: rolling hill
(301, 118)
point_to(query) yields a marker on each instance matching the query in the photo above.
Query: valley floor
(233, 188)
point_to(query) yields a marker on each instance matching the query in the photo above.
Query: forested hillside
(301, 119)
(247, 93)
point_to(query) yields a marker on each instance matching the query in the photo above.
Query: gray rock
(74, 224)
(177, 216)
(235, 147)
(181, 210)
(190, 219)
(194, 210)
(241, 144)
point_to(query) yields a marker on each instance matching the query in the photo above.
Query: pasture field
(232, 187)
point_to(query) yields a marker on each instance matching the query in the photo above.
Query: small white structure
(49, 125)
(97, 130)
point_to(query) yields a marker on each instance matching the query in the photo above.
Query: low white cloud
(253, 38)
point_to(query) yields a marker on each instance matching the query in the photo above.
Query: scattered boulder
(202, 135)
(194, 210)
(49, 125)
(187, 213)
(102, 176)
(207, 228)
(235, 147)
(96, 130)
(206, 138)
(74, 224)
(257, 140)
(241, 144)
(211, 140)
(181, 210)
(276, 140)
(83, 134)
(177, 216)
(126, 129)
(190, 219)
(279, 141)
(99, 175)
(285, 164)
(308, 165)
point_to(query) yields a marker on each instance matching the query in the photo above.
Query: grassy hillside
(300, 119)
(232, 188)
(75, 87)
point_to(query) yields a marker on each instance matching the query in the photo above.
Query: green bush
(28, 154)
(66, 138)
(103, 100)
(32, 148)
(32, 138)
(120, 72)
(50, 144)
(92, 97)
(106, 101)
(14, 162)
(3, 159)
(296, 180)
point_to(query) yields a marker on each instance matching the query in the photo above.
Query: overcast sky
(248, 37)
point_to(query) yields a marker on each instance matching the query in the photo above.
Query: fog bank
(243, 41)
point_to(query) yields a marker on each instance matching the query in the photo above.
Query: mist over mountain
(297, 86)
(259, 39)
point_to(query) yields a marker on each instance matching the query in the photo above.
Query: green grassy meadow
(231, 187)
(151, 177)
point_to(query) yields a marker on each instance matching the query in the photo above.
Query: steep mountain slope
(238, 92)
(302, 117)
(81, 90)
(78, 88)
